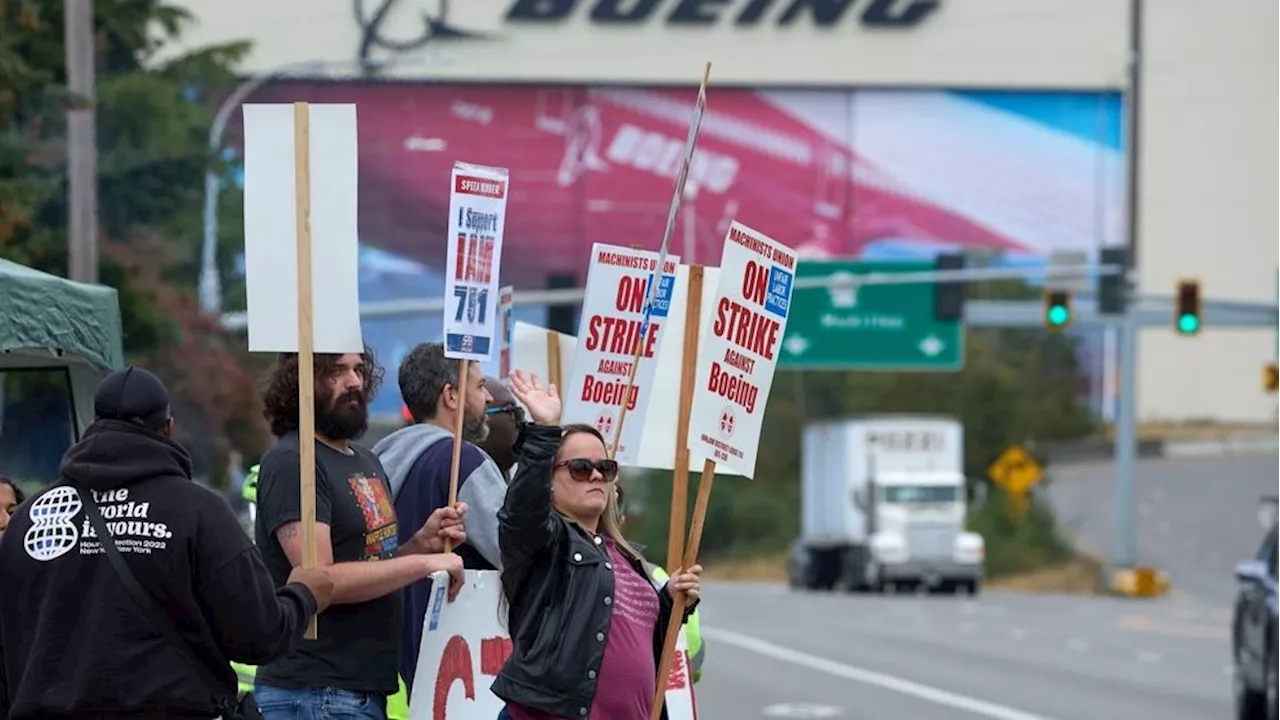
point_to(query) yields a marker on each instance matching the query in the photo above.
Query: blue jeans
(319, 704)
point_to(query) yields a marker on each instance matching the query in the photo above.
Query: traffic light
(1057, 309)
(1270, 377)
(1112, 289)
(1186, 317)
(949, 295)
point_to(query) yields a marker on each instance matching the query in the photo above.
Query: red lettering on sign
(455, 664)
(481, 186)
(734, 388)
(619, 336)
(494, 652)
(755, 283)
(746, 328)
(676, 679)
(631, 294)
(474, 262)
(604, 391)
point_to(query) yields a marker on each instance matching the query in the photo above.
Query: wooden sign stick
(459, 421)
(681, 601)
(306, 343)
(688, 376)
(652, 292)
(555, 366)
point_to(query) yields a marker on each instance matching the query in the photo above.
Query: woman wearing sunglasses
(586, 624)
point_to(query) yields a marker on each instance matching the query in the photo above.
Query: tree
(152, 129)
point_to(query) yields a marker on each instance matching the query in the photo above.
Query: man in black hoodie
(73, 642)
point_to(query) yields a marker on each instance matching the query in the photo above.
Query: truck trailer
(883, 505)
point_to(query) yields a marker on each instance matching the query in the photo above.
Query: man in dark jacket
(73, 642)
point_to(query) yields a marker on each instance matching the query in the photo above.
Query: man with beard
(505, 418)
(350, 669)
(419, 459)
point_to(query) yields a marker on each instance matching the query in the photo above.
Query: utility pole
(82, 149)
(1126, 428)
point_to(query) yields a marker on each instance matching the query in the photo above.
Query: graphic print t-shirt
(628, 671)
(357, 645)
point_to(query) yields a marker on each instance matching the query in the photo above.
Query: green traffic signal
(1186, 317)
(1057, 309)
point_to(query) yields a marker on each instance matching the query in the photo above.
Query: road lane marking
(1193, 631)
(892, 683)
(802, 710)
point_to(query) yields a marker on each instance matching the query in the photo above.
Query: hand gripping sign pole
(735, 366)
(305, 156)
(477, 217)
(681, 176)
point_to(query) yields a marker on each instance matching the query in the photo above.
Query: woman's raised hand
(543, 403)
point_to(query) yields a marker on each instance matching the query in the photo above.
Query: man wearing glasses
(418, 460)
(505, 419)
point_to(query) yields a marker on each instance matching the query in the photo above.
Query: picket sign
(611, 382)
(530, 350)
(737, 358)
(477, 219)
(533, 351)
(465, 644)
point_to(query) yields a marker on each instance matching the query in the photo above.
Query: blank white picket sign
(270, 229)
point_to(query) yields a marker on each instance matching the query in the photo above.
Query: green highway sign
(868, 327)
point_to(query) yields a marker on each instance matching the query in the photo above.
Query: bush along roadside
(1018, 544)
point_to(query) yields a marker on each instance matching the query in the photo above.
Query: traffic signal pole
(1126, 427)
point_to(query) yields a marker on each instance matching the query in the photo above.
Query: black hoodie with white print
(72, 641)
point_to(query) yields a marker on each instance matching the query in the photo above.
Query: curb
(1101, 450)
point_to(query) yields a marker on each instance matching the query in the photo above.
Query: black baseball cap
(132, 395)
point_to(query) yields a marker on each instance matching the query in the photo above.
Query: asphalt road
(772, 652)
(1196, 517)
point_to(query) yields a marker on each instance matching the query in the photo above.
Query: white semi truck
(883, 504)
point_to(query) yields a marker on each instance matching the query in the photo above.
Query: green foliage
(1016, 387)
(153, 122)
(1018, 544)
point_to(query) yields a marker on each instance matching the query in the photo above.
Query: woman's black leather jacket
(559, 587)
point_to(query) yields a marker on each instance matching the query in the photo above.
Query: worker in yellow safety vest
(397, 705)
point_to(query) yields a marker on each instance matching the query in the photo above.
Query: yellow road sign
(1015, 471)
(1270, 377)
